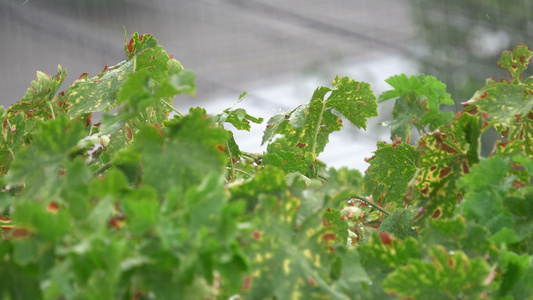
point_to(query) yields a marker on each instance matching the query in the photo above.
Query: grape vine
(152, 203)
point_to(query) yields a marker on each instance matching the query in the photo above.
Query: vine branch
(373, 204)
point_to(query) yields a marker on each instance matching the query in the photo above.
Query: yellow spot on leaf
(307, 254)
(286, 268)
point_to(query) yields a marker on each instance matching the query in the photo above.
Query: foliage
(149, 203)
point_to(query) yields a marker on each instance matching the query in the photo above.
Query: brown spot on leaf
(247, 282)
(385, 238)
(328, 238)
(444, 172)
(518, 184)
(52, 207)
(82, 76)
(466, 169)
(220, 148)
(301, 145)
(117, 222)
(436, 214)
(89, 120)
(425, 191)
(130, 46)
(256, 235)
(311, 281)
(129, 133)
(20, 233)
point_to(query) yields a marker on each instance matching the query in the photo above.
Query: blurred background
(278, 50)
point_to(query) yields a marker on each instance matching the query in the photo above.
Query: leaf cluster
(150, 203)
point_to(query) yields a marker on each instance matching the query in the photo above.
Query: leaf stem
(253, 156)
(373, 204)
(171, 107)
(102, 169)
(240, 171)
(232, 169)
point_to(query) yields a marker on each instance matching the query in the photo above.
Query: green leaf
(509, 105)
(100, 92)
(381, 257)
(399, 224)
(504, 101)
(189, 151)
(392, 168)
(456, 234)
(280, 154)
(447, 276)
(308, 126)
(25, 252)
(354, 100)
(16, 132)
(418, 104)
(304, 265)
(238, 118)
(40, 99)
(141, 208)
(19, 283)
(517, 275)
(38, 165)
(486, 184)
(88, 95)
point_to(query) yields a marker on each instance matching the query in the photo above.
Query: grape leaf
(12, 277)
(504, 101)
(309, 125)
(391, 169)
(517, 275)
(141, 208)
(40, 100)
(99, 93)
(51, 147)
(444, 158)
(399, 224)
(381, 257)
(516, 61)
(238, 118)
(188, 151)
(87, 95)
(16, 132)
(447, 276)
(418, 103)
(281, 155)
(509, 105)
(483, 203)
(288, 228)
